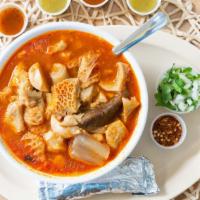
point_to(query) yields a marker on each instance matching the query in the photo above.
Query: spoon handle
(157, 22)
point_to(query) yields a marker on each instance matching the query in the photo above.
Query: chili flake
(167, 130)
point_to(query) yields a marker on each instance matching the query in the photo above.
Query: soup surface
(68, 104)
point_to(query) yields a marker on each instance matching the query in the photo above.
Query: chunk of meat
(58, 73)
(19, 80)
(88, 62)
(37, 78)
(34, 146)
(119, 83)
(33, 98)
(128, 107)
(63, 131)
(101, 98)
(14, 117)
(87, 65)
(57, 47)
(86, 149)
(65, 96)
(60, 130)
(91, 80)
(18, 75)
(88, 94)
(115, 133)
(23, 91)
(34, 116)
(102, 115)
(54, 142)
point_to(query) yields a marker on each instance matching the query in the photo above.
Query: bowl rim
(20, 8)
(183, 135)
(134, 139)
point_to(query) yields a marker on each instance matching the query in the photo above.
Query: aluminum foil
(134, 175)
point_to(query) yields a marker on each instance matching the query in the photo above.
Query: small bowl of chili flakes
(168, 130)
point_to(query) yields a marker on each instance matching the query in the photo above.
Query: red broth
(34, 51)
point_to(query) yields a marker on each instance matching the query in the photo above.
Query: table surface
(184, 23)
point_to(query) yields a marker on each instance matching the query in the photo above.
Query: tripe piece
(119, 83)
(54, 142)
(115, 133)
(37, 78)
(58, 73)
(57, 47)
(128, 107)
(14, 116)
(65, 96)
(34, 146)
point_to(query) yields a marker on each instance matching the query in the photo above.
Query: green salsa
(53, 6)
(143, 5)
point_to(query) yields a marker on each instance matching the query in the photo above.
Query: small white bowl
(13, 5)
(160, 78)
(94, 6)
(144, 13)
(56, 13)
(183, 134)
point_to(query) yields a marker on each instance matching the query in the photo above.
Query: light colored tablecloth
(184, 22)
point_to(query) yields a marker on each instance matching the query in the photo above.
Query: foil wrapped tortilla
(134, 175)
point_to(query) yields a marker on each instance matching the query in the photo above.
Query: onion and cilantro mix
(179, 90)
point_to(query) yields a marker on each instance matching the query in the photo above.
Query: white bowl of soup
(71, 110)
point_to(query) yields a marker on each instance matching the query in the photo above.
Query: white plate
(176, 169)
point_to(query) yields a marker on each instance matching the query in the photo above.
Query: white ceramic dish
(183, 134)
(158, 3)
(13, 5)
(160, 79)
(176, 170)
(55, 13)
(141, 118)
(94, 6)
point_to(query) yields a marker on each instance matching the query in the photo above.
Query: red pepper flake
(167, 130)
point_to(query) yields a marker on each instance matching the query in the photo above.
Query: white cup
(183, 134)
(54, 13)
(158, 3)
(13, 5)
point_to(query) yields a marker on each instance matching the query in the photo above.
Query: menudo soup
(68, 104)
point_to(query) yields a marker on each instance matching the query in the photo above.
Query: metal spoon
(157, 22)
